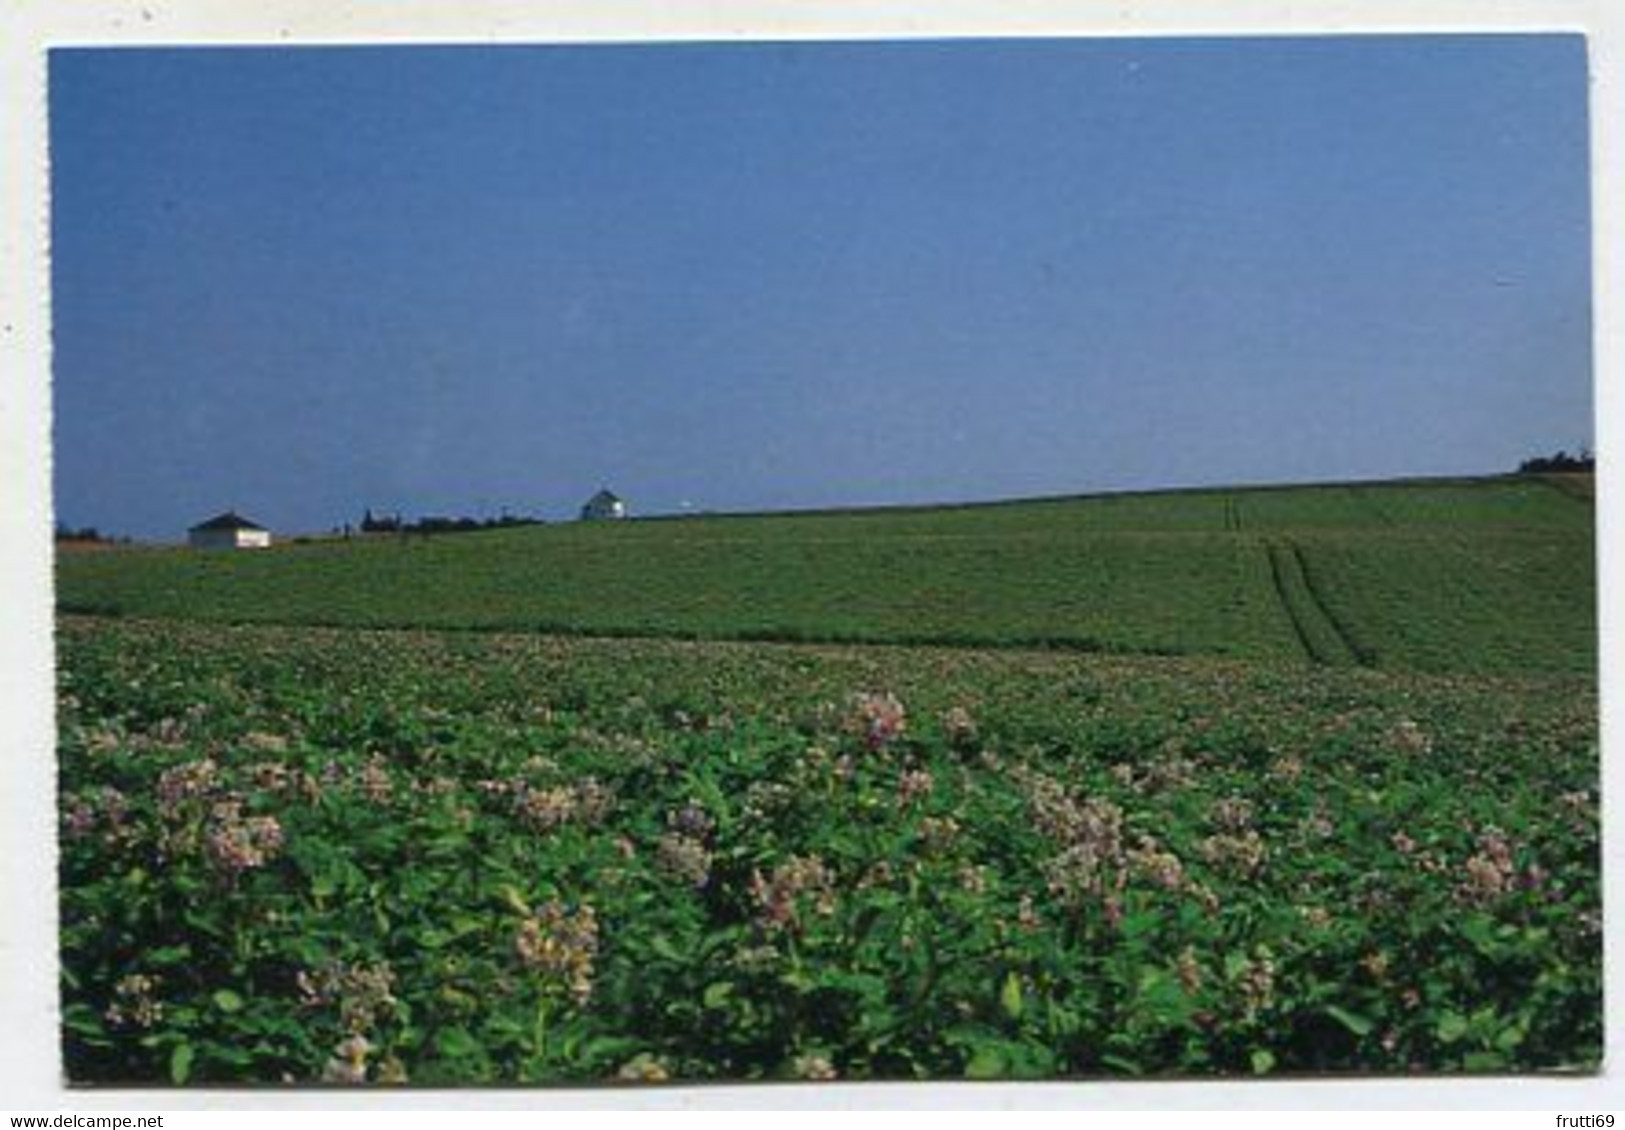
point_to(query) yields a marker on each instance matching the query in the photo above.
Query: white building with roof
(604, 504)
(228, 531)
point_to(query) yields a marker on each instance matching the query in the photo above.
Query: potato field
(1243, 783)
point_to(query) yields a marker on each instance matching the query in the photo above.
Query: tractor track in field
(1287, 605)
(1324, 638)
(1362, 655)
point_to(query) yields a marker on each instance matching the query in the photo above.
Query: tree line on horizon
(1561, 463)
(65, 532)
(436, 524)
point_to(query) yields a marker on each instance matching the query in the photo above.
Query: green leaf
(516, 901)
(1119, 1063)
(987, 1062)
(457, 1043)
(168, 955)
(1139, 923)
(1062, 1021)
(1481, 931)
(1162, 998)
(1353, 1021)
(1452, 1027)
(1011, 996)
(1263, 1061)
(227, 1001)
(82, 1018)
(798, 979)
(180, 1063)
(877, 1023)
(717, 993)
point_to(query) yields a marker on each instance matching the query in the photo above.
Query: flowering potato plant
(333, 857)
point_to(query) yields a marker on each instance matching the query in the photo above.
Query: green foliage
(297, 855)
(1495, 574)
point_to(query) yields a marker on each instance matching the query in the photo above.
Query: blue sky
(300, 282)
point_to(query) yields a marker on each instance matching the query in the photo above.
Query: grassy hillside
(1496, 574)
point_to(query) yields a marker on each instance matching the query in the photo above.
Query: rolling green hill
(1459, 575)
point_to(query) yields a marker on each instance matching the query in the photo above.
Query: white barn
(228, 531)
(604, 504)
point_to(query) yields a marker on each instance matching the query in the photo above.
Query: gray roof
(230, 520)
